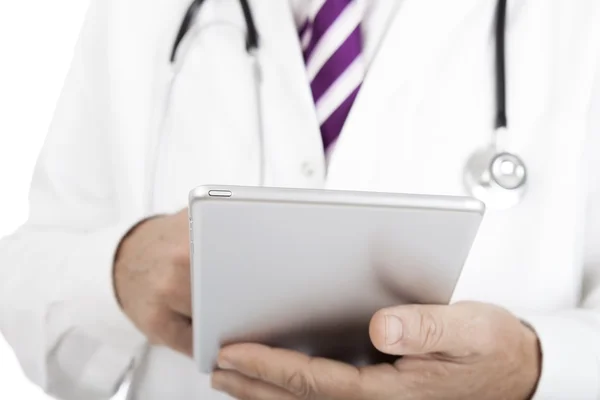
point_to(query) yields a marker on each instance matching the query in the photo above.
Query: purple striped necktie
(331, 41)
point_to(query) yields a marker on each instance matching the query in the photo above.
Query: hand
(463, 351)
(152, 280)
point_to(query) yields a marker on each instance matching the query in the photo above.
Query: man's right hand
(152, 280)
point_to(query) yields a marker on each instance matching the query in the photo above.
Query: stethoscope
(493, 175)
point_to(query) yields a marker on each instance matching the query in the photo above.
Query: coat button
(308, 170)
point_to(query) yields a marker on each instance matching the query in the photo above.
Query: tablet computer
(306, 269)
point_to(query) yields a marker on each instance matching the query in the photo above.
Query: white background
(37, 38)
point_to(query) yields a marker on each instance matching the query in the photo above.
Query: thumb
(421, 329)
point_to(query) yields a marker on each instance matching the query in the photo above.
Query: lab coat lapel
(290, 120)
(416, 35)
(143, 96)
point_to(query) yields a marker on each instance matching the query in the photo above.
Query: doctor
(378, 95)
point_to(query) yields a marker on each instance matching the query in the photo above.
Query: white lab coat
(133, 134)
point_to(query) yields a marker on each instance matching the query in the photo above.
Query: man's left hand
(463, 351)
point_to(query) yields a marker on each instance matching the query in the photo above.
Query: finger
(180, 299)
(303, 376)
(244, 388)
(181, 306)
(416, 329)
(176, 333)
(174, 288)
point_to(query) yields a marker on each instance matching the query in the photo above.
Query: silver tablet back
(306, 269)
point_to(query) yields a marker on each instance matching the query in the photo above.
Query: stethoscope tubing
(501, 118)
(477, 176)
(252, 36)
(252, 44)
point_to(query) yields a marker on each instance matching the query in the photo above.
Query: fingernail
(393, 329)
(224, 364)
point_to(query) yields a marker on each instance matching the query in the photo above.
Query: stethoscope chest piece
(499, 179)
